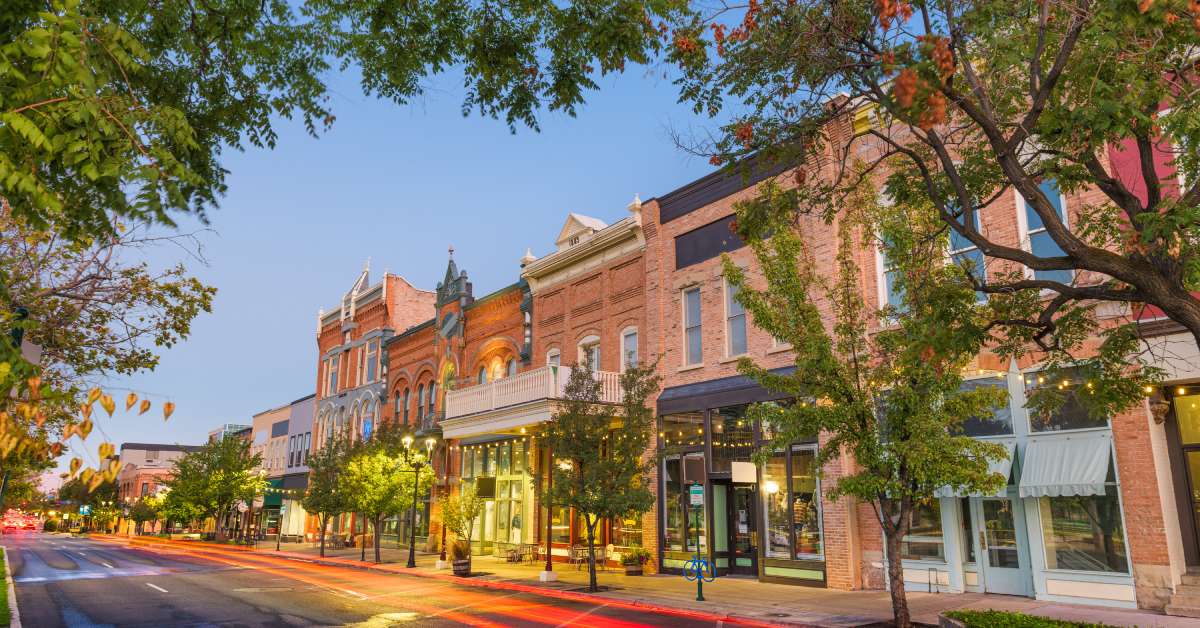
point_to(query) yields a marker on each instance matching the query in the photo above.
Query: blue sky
(397, 185)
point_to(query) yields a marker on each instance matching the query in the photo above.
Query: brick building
(144, 469)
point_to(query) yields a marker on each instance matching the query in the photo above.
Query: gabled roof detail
(578, 225)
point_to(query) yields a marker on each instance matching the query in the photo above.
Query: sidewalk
(739, 597)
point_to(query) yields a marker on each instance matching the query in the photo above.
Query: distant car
(10, 527)
(29, 525)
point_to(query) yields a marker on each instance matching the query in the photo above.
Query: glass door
(743, 527)
(1004, 543)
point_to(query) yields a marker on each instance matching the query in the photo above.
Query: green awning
(274, 495)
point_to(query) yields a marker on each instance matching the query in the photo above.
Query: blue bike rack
(700, 570)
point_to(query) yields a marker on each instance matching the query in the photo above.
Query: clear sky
(397, 185)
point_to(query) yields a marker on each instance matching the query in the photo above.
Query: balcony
(545, 383)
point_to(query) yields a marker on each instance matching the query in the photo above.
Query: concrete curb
(503, 585)
(14, 614)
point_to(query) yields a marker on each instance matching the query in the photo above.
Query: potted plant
(459, 514)
(633, 559)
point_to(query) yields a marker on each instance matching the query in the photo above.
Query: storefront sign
(696, 494)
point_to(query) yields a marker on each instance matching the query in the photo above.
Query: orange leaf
(168, 409)
(145, 405)
(106, 402)
(75, 462)
(93, 395)
(85, 428)
(86, 410)
(130, 399)
(35, 387)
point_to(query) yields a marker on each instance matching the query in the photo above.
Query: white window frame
(637, 350)
(590, 346)
(372, 359)
(980, 297)
(881, 270)
(727, 299)
(699, 327)
(554, 357)
(1023, 226)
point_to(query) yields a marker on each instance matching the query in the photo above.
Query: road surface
(64, 581)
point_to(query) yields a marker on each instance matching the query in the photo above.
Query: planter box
(461, 567)
(633, 570)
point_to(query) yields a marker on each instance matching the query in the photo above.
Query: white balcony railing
(547, 382)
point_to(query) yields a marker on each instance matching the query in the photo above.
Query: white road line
(355, 594)
(156, 587)
(108, 565)
(582, 615)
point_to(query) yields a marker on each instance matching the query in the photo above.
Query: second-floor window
(965, 254)
(333, 375)
(735, 322)
(307, 447)
(510, 368)
(407, 396)
(372, 360)
(1041, 243)
(589, 352)
(890, 292)
(553, 358)
(432, 398)
(629, 347)
(482, 375)
(693, 344)
(420, 402)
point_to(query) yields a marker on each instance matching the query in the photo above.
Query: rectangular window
(372, 360)
(892, 293)
(691, 326)
(145, 488)
(1070, 414)
(775, 500)
(560, 524)
(333, 375)
(806, 503)
(1084, 533)
(591, 355)
(291, 453)
(680, 431)
(1040, 242)
(307, 446)
(1000, 423)
(680, 527)
(466, 460)
(792, 505)
(735, 323)
(627, 531)
(732, 437)
(967, 527)
(924, 540)
(965, 254)
(629, 348)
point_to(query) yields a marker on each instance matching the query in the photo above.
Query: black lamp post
(412, 516)
(446, 474)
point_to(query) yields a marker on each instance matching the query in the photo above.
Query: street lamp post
(412, 515)
(446, 474)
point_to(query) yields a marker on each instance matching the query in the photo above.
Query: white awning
(1061, 465)
(1003, 467)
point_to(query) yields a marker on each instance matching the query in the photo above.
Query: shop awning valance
(1075, 465)
(1003, 467)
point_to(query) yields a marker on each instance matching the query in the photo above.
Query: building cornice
(609, 237)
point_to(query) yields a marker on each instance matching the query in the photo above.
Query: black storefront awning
(295, 482)
(717, 393)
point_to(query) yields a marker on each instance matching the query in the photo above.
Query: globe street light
(416, 468)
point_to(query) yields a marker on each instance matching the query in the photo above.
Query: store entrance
(743, 529)
(1004, 544)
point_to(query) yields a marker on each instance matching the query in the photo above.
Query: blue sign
(367, 425)
(85, 510)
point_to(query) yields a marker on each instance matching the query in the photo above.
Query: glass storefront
(500, 472)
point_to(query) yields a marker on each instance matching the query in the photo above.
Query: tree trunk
(323, 520)
(220, 531)
(896, 581)
(590, 521)
(362, 542)
(375, 525)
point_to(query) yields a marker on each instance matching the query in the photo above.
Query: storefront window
(627, 531)
(1070, 415)
(673, 503)
(732, 437)
(682, 430)
(1000, 423)
(560, 524)
(924, 539)
(806, 503)
(1084, 533)
(477, 456)
(490, 460)
(774, 489)
(468, 460)
(504, 458)
(1187, 413)
(518, 460)
(968, 539)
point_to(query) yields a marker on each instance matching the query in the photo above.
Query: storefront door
(1004, 543)
(743, 528)
(1185, 439)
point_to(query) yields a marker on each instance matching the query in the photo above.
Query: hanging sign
(696, 494)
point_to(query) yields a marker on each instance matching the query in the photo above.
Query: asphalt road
(64, 581)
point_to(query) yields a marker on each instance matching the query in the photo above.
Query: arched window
(432, 398)
(510, 369)
(497, 369)
(483, 375)
(629, 347)
(420, 402)
(368, 421)
(589, 352)
(406, 399)
(553, 358)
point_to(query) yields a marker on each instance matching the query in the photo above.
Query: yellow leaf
(106, 450)
(130, 399)
(106, 402)
(145, 405)
(93, 395)
(87, 474)
(75, 462)
(84, 428)
(168, 409)
(69, 430)
(86, 410)
(95, 482)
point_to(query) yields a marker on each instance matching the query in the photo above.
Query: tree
(459, 513)
(176, 507)
(884, 386)
(602, 468)
(326, 495)
(103, 517)
(214, 478)
(379, 478)
(962, 102)
(145, 509)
